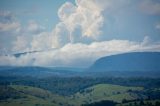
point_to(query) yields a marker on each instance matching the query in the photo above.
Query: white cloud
(146, 41)
(86, 16)
(42, 41)
(31, 38)
(79, 54)
(8, 22)
(9, 26)
(158, 26)
(37, 42)
(20, 44)
(34, 28)
(66, 10)
(22, 38)
(151, 7)
(83, 20)
(61, 36)
(6, 16)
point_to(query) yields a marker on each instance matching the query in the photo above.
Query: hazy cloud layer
(79, 55)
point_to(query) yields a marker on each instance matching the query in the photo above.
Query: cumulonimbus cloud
(85, 17)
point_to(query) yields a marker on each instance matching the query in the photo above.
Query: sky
(74, 33)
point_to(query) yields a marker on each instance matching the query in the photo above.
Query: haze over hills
(38, 72)
(136, 61)
(135, 64)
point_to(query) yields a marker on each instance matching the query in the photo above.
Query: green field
(105, 92)
(32, 96)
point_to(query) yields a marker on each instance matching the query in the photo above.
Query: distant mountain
(39, 72)
(128, 62)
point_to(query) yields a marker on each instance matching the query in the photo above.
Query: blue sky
(39, 10)
(77, 29)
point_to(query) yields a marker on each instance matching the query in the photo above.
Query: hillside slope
(136, 61)
(111, 92)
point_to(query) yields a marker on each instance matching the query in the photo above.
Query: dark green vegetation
(101, 103)
(77, 91)
(135, 103)
(70, 85)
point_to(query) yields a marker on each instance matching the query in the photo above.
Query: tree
(141, 103)
(124, 101)
(157, 103)
(135, 104)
